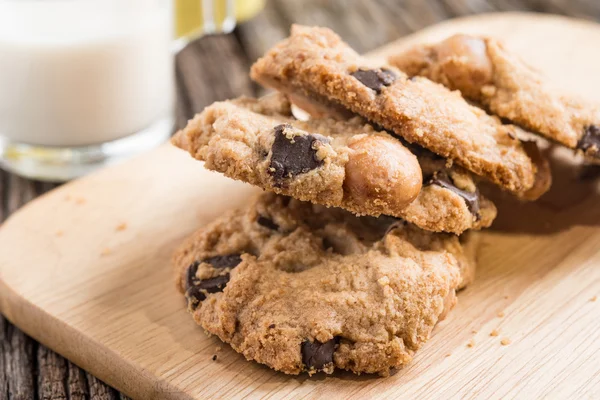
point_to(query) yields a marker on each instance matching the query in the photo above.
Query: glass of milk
(83, 83)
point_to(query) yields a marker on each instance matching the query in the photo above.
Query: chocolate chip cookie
(305, 288)
(315, 64)
(484, 71)
(340, 163)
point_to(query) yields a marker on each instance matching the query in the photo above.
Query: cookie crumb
(501, 314)
(59, 233)
(121, 227)
(80, 200)
(505, 341)
(384, 281)
(471, 343)
(105, 251)
(218, 349)
(448, 355)
(494, 332)
(594, 299)
(473, 331)
(214, 357)
(506, 296)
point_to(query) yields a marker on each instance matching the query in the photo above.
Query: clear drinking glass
(85, 83)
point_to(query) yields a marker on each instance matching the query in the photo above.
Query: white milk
(80, 72)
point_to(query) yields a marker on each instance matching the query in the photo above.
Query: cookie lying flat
(344, 164)
(300, 287)
(315, 63)
(485, 72)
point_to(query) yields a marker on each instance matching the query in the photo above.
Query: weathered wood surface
(215, 68)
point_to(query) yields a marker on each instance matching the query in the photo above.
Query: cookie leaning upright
(486, 72)
(300, 287)
(316, 64)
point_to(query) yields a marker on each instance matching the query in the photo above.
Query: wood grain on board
(29, 370)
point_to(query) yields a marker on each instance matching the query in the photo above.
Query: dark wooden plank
(3, 195)
(99, 390)
(77, 387)
(406, 17)
(4, 346)
(213, 68)
(262, 32)
(465, 7)
(20, 191)
(183, 109)
(358, 22)
(52, 375)
(20, 365)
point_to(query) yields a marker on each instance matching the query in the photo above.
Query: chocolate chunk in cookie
(317, 356)
(226, 261)
(375, 79)
(590, 141)
(197, 293)
(293, 155)
(471, 198)
(267, 223)
(196, 289)
(301, 308)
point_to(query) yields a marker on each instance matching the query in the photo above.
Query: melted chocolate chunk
(190, 276)
(328, 244)
(316, 355)
(196, 289)
(226, 261)
(267, 223)
(293, 156)
(472, 199)
(375, 79)
(590, 141)
(197, 293)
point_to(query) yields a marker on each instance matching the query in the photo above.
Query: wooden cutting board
(84, 270)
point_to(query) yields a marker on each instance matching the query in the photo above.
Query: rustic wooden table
(215, 68)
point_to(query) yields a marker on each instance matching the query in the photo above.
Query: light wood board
(104, 297)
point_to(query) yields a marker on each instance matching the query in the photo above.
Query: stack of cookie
(365, 232)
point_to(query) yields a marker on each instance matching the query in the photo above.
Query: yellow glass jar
(196, 17)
